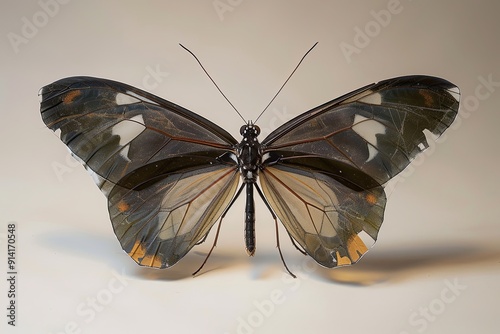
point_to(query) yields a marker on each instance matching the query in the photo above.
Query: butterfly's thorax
(249, 153)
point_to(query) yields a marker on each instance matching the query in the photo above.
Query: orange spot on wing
(70, 96)
(138, 253)
(152, 261)
(371, 199)
(342, 260)
(428, 99)
(122, 206)
(356, 247)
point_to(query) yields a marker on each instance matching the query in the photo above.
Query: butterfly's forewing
(154, 160)
(326, 168)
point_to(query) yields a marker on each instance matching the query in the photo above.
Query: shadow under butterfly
(170, 174)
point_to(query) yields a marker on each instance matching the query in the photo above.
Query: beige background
(436, 265)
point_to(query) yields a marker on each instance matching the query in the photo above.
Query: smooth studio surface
(436, 265)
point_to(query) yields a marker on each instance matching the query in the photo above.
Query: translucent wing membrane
(376, 130)
(154, 160)
(333, 223)
(323, 171)
(158, 224)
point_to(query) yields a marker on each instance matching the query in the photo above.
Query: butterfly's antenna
(199, 62)
(295, 69)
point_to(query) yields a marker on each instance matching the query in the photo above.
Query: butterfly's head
(250, 130)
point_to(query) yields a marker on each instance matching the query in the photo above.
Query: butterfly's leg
(218, 227)
(297, 247)
(277, 234)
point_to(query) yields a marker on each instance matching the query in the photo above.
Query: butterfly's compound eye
(243, 130)
(257, 130)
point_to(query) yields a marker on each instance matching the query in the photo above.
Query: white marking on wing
(374, 98)
(128, 130)
(142, 98)
(368, 129)
(130, 98)
(455, 92)
(357, 96)
(124, 153)
(122, 99)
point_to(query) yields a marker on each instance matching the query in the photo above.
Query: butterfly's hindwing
(332, 222)
(158, 224)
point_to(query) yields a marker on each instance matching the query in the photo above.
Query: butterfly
(170, 174)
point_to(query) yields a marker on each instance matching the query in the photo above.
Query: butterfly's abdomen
(250, 220)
